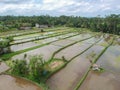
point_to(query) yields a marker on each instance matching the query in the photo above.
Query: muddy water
(31, 44)
(13, 83)
(101, 81)
(68, 52)
(32, 35)
(68, 77)
(18, 32)
(33, 38)
(106, 40)
(38, 42)
(39, 34)
(62, 43)
(80, 37)
(3, 67)
(66, 35)
(23, 46)
(46, 51)
(71, 40)
(91, 40)
(77, 48)
(110, 60)
(28, 39)
(55, 38)
(110, 79)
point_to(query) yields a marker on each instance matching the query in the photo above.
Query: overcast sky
(87, 8)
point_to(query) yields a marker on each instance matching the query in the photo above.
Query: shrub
(4, 43)
(10, 38)
(20, 67)
(33, 70)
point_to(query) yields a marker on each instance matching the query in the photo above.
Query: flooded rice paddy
(8, 82)
(26, 45)
(77, 56)
(45, 51)
(68, 77)
(3, 67)
(110, 60)
(101, 81)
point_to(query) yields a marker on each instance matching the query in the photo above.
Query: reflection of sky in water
(38, 42)
(13, 83)
(109, 59)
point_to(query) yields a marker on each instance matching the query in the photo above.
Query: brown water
(106, 40)
(28, 36)
(91, 40)
(80, 37)
(71, 40)
(110, 79)
(3, 67)
(39, 34)
(22, 46)
(68, 77)
(68, 52)
(13, 83)
(46, 51)
(62, 42)
(101, 81)
(28, 39)
(110, 60)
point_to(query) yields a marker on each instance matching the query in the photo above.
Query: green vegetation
(94, 61)
(68, 46)
(11, 54)
(4, 43)
(44, 37)
(4, 46)
(108, 24)
(84, 50)
(36, 69)
(33, 70)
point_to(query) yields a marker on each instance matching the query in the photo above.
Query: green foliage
(33, 70)
(36, 67)
(20, 67)
(4, 43)
(110, 24)
(10, 38)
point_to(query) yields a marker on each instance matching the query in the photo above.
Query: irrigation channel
(77, 49)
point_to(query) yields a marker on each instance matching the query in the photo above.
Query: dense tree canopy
(110, 24)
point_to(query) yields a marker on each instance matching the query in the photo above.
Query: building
(40, 26)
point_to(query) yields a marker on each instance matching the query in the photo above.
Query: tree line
(107, 24)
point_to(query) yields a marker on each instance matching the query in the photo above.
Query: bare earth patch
(55, 64)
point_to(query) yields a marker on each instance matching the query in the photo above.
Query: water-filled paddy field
(68, 55)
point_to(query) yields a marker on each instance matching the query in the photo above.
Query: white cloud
(75, 7)
(55, 4)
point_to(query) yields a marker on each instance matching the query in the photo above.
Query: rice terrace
(63, 51)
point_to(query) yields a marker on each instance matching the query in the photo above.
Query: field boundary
(9, 55)
(94, 61)
(69, 46)
(37, 38)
